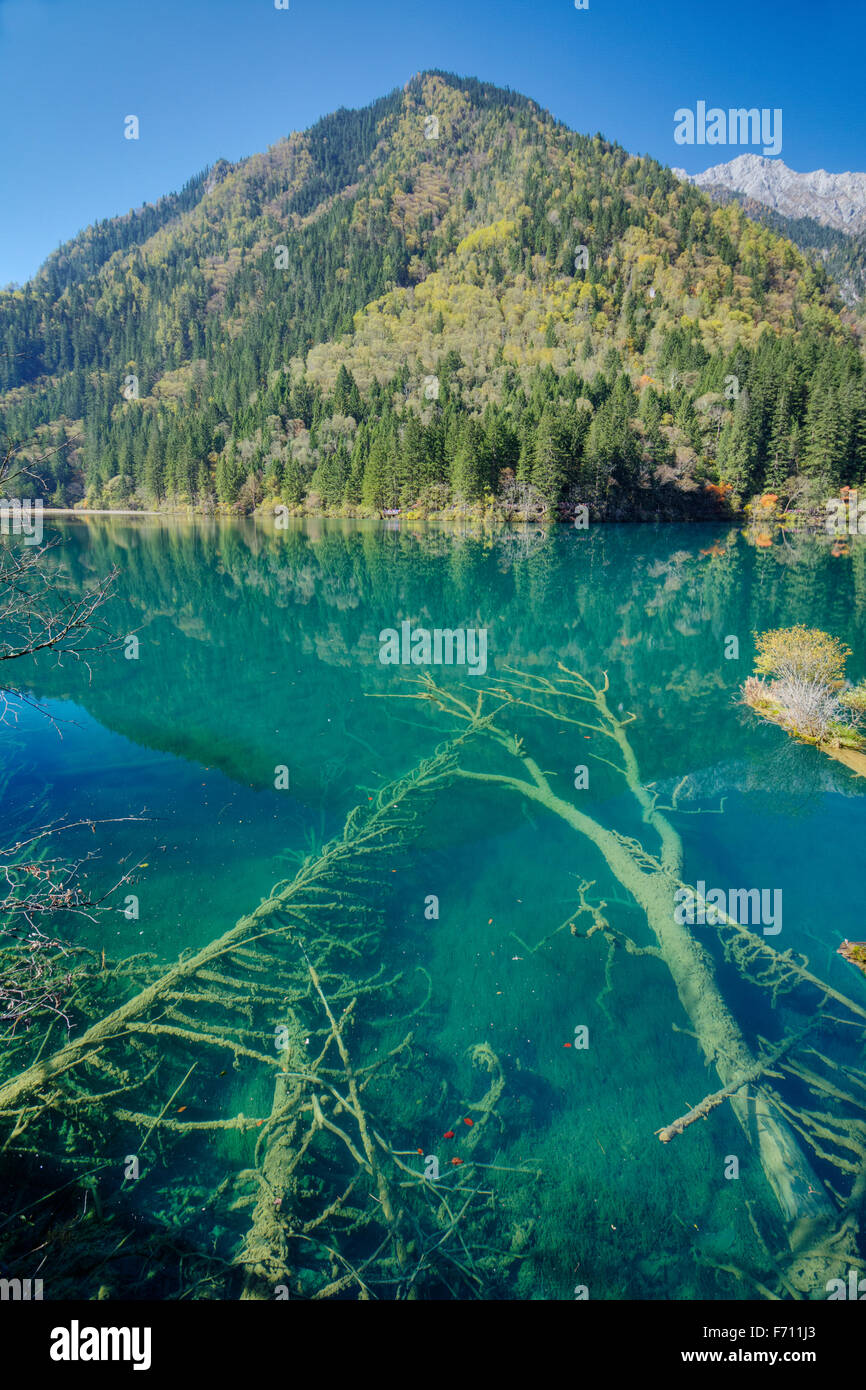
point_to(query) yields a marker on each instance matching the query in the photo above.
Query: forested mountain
(843, 253)
(442, 298)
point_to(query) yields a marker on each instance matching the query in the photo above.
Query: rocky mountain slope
(834, 200)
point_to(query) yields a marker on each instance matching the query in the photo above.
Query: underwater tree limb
(361, 833)
(652, 880)
(700, 1111)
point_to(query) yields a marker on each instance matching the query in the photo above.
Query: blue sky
(224, 78)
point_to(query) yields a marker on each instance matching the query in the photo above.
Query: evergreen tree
(550, 457)
(377, 489)
(469, 468)
(736, 459)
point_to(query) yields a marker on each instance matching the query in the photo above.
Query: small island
(855, 952)
(799, 683)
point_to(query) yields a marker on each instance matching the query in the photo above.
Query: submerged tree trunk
(206, 1001)
(801, 1196)
(806, 1209)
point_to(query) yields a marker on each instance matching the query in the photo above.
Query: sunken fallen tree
(821, 1226)
(291, 1179)
(303, 1186)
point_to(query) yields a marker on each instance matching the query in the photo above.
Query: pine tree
(414, 470)
(549, 465)
(736, 459)
(824, 452)
(347, 399)
(779, 451)
(469, 468)
(331, 475)
(377, 486)
(292, 490)
(229, 475)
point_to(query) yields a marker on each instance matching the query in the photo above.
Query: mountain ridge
(444, 297)
(834, 200)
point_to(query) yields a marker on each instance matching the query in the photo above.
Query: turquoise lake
(259, 650)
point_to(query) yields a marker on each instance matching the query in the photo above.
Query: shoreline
(103, 511)
(408, 519)
(808, 524)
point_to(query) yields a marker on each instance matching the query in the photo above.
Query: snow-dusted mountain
(834, 200)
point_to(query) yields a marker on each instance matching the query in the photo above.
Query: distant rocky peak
(835, 200)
